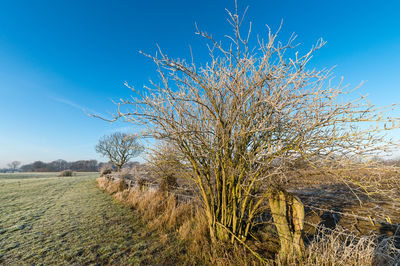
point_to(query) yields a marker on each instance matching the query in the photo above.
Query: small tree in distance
(119, 148)
(14, 165)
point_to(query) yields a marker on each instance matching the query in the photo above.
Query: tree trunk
(288, 214)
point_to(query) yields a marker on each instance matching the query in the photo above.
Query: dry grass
(162, 212)
(341, 247)
(66, 173)
(111, 186)
(102, 182)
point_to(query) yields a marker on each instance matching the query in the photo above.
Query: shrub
(241, 119)
(168, 183)
(66, 173)
(142, 183)
(106, 170)
(124, 174)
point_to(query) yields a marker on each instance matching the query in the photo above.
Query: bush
(142, 183)
(124, 174)
(106, 170)
(168, 183)
(66, 173)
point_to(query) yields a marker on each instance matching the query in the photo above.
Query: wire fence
(187, 194)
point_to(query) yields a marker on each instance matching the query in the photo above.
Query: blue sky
(59, 57)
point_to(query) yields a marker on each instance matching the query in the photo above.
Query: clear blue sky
(57, 57)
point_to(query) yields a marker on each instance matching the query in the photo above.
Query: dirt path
(51, 220)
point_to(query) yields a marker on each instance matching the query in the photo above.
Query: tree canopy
(119, 148)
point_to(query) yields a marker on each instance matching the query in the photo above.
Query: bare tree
(164, 164)
(244, 118)
(165, 161)
(14, 165)
(61, 164)
(119, 148)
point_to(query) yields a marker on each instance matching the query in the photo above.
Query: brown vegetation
(106, 169)
(340, 244)
(111, 186)
(66, 173)
(185, 220)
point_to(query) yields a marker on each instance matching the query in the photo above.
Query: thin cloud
(68, 102)
(120, 129)
(73, 104)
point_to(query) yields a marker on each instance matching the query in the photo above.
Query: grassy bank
(63, 220)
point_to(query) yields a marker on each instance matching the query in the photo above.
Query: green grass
(46, 219)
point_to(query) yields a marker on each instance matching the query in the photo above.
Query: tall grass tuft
(111, 186)
(66, 173)
(341, 247)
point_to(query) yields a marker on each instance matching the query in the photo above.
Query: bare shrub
(106, 169)
(142, 183)
(66, 173)
(124, 174)
(242, 120)
(168, 183)
(164, 166)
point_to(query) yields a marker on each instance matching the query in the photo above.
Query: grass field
(45, 219)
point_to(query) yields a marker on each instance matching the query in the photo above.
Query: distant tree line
(60, 165)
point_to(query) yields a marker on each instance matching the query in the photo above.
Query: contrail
(72, 104)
